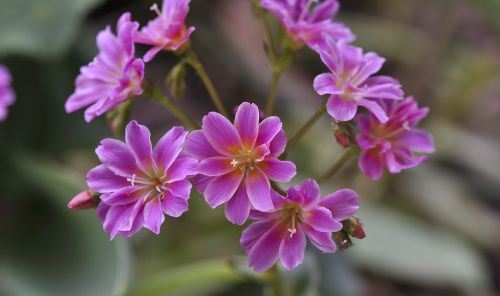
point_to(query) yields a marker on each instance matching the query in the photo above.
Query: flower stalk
(158, 96)
(348, 153)
(306, 127)
(195, 62)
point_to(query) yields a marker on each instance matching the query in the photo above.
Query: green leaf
(408, 249)
(50, 251)
(42, 27)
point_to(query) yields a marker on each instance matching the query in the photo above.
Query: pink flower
(237, 160)
(139, 184)
(306, 21)
(168, 31)
(394, 142)
(282, 233)
(7, 96)
(351, 83)
(113, 76)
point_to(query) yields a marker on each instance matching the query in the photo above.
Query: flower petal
(417, 140)
(268, 129)
(246, 123)
(342, 203)
(101, 179)
(322, 240)
(310, 192)
(238, 208)
(138, 138)
(215, 166)
(222, 188)
(181, 188)
(259, 190)
(325, 84)
(320, 219)
(265, 251)
(341, 109)
(292, 249)
(221, 134)
(181, 168)
(169, 146)
(253, 233)
(278, 144)
(278, 170)
(174, 206)
(200, 182)
(153, 215)
(371, 164)
(117, 157)
(123, 196)
(374, 109)
(198, 146)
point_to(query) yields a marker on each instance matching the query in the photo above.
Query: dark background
(434, 230)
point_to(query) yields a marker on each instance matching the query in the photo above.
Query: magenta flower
(351, 83)
(113, 76)
(167, 31)
(237, 161)
(7, 96)
(282, 233)
(394, 142)
(306, 21)
(139, 184)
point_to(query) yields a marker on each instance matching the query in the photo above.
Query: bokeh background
(434, 230)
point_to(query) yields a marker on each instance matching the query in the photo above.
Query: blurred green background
(434, 230)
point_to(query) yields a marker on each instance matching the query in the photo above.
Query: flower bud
(342, 240)
(83, 201)
(176, 81)
(358, 232)
(341, 132)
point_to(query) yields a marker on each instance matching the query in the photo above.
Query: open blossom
(237, 160)
(7, 96)
(113, 76)
(307, 20)
(139, 184)
(168, 30)
(351, 82)
(301, 213)
(394, 142)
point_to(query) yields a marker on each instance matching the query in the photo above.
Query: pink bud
(342, 139)
(82, 201)
(358, 232)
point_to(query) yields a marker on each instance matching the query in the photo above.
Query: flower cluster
(7, 96)
(239, 163)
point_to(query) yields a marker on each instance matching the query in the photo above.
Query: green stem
(194, 61)
(159, 97)
(273, 91)
(348, 153)
(306, 127)
(277, 284)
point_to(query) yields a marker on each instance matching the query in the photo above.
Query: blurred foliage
(434, 230)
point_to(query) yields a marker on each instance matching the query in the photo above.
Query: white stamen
(292, 231)
(155, 8)
(406, 125)
(234, 163)
(132, 181)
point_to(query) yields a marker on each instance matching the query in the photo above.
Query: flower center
(152, 187)
(291, 216)
(245, 161)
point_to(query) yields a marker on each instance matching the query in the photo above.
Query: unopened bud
(358, 232)
(342, 240)
(341, 132)
(176, 79)
(83, 201)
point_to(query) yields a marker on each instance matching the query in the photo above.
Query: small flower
(351, 83)
(113, 76)
(168, 30)
(237, 161)
(394, 142)
(307, 20)
(302, 213)
(138, 184)
(7, 96)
